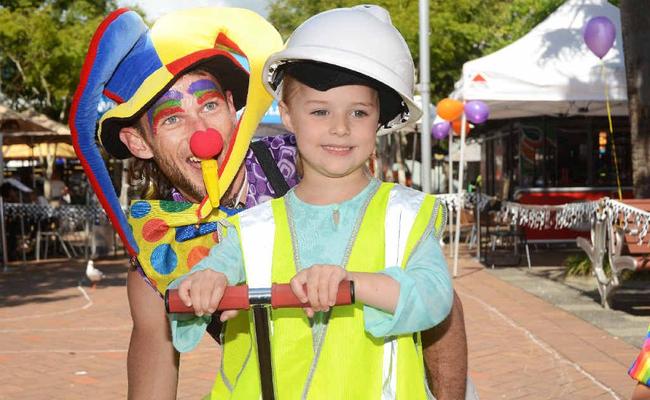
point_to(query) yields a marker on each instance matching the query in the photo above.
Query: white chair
(47, 231)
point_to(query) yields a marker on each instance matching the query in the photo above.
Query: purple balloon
(476, 111)
(440, 130)
(599, 35)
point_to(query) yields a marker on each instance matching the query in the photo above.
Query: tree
(635, 21)
(460, 30)
(42, 48)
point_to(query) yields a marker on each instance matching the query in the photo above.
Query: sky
(156, 8)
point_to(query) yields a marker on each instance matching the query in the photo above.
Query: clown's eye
(210, 106)
(171, 120)
(319, 113)
(359, 113)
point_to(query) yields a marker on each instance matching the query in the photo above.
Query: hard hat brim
(345, 59)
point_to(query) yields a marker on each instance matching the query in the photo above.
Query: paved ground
(579, 296)
(65, 341)
(522, 347)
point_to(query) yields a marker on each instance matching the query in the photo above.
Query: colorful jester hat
(133, 65)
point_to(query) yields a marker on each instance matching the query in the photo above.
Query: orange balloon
(455, 126)
(449, 109)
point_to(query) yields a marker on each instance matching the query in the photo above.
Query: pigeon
(93, 274)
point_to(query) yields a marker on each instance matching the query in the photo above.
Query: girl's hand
(322, 283)
(203, 290)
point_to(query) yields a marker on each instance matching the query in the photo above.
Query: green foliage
(580, 265)
(461, 30)
(42, 48)
(577, 265)
(43, 43)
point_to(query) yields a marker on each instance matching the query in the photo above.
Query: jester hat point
(133, 65)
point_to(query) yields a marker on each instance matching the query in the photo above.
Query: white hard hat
(361, 39)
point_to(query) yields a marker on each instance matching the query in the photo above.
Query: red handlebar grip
(282, 296)
(234, 298)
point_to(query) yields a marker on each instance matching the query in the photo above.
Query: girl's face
(335, 130)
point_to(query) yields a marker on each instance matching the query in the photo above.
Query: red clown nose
(206, 144)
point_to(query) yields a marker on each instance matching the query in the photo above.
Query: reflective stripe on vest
(257, 236)
(408, 215)
(403, 206)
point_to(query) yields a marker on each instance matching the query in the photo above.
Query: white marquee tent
(550, 70)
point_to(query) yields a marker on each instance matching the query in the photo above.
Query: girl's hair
(323, 76)
(289, 86)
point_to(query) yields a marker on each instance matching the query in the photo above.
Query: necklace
(237, 201)
(336, 216)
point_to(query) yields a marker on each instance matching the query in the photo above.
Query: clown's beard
(178, 180)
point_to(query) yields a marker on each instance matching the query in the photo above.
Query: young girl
(345, 76)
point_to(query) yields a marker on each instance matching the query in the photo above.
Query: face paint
(171, 143)
(204, 90)
(167, 105)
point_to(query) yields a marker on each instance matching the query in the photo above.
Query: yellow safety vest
(352, 364)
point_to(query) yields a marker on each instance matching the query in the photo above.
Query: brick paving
(65, 341)
(521, 347)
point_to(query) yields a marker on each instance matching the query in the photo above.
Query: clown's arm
(152, 362)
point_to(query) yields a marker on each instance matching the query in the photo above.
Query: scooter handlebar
(282, 296)
(237, 298)
(234, 298)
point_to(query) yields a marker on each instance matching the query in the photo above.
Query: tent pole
(22, 229)
(5, 257)
(425, 149)
(463, 122)
(450, 182)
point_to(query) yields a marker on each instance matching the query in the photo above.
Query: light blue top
(425, 286)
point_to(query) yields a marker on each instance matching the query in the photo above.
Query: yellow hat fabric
(209, 36)
(133, 65)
